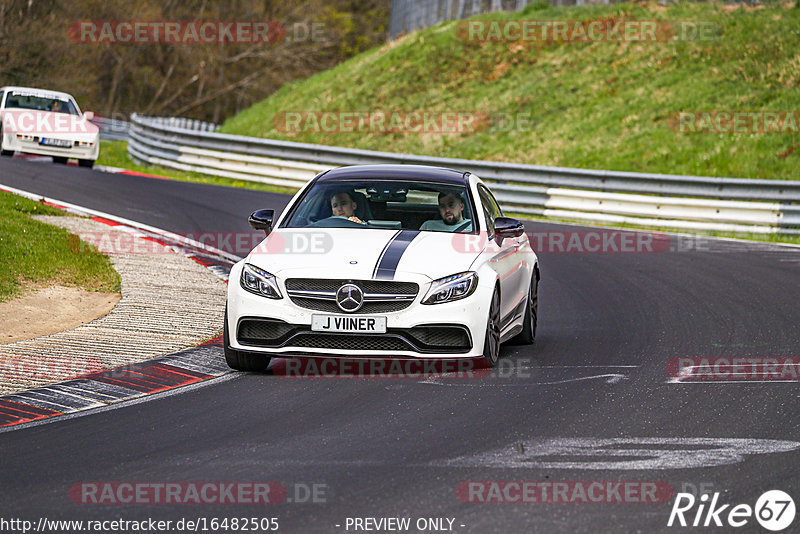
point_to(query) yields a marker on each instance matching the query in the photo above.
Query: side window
(488, 211)
(490, 207)
(495, 206)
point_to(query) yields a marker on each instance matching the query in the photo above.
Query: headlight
(26, 137)
(260, 282)
(84, 144)
(450, 288)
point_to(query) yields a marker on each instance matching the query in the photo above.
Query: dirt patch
(47, 310)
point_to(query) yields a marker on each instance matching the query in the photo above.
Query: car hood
(355, 253)
(47, 124)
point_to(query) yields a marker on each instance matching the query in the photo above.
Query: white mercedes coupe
(383, 261)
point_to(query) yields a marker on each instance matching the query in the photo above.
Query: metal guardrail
(689, 202)
(118, 130)
(112, 129)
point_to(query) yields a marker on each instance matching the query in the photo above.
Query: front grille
(396, 296)
(369, 286)
(273, 333)
(349, 342)
(368, 307)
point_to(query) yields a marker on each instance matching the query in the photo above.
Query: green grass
(602, 105)
(32, 252)
(115, 154)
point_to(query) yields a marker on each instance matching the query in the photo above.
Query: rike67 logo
(774, 511)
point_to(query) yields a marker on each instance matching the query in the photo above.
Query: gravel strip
(169, 302)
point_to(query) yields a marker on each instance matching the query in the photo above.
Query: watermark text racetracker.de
(403, 368)
(566, 491)
(574, 242)
(735, 122)
(385, 121)
(241, 243)
(314, 242)
(44, 370)
(411, 368)
(26, 122)
(587, 31)
(207, 493)
(696, 369)
(194, 32)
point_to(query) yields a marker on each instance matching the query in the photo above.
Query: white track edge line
(81, 210)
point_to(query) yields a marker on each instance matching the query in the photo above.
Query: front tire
(86, 163)
(238, 360)
(491, 346)
(3, 151)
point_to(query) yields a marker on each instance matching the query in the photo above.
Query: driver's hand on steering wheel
(355, 220)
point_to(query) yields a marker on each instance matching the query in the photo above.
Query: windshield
(384, 204)
(40, 102)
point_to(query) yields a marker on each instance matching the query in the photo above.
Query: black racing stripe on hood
(390, 258)
(380, 256)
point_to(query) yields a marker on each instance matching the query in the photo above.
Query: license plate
(66, 143)
(339, 323)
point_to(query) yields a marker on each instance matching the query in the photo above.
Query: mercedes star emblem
(349, 298)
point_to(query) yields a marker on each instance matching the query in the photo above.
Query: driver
(451, 208)
(343, 205)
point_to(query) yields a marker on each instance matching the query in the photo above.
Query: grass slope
(36, 253)
(605, 105)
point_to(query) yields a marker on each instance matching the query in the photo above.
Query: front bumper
(421, 339)
(12, 142)
(280, 327)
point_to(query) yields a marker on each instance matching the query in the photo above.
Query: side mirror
(89, 115)
(262, 220)
(507, 227)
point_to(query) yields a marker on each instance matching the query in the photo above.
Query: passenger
(451, 208)
(343, 205)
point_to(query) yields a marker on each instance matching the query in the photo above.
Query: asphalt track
(400, 447)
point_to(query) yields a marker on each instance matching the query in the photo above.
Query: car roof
(421, 173)
(36, 89)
